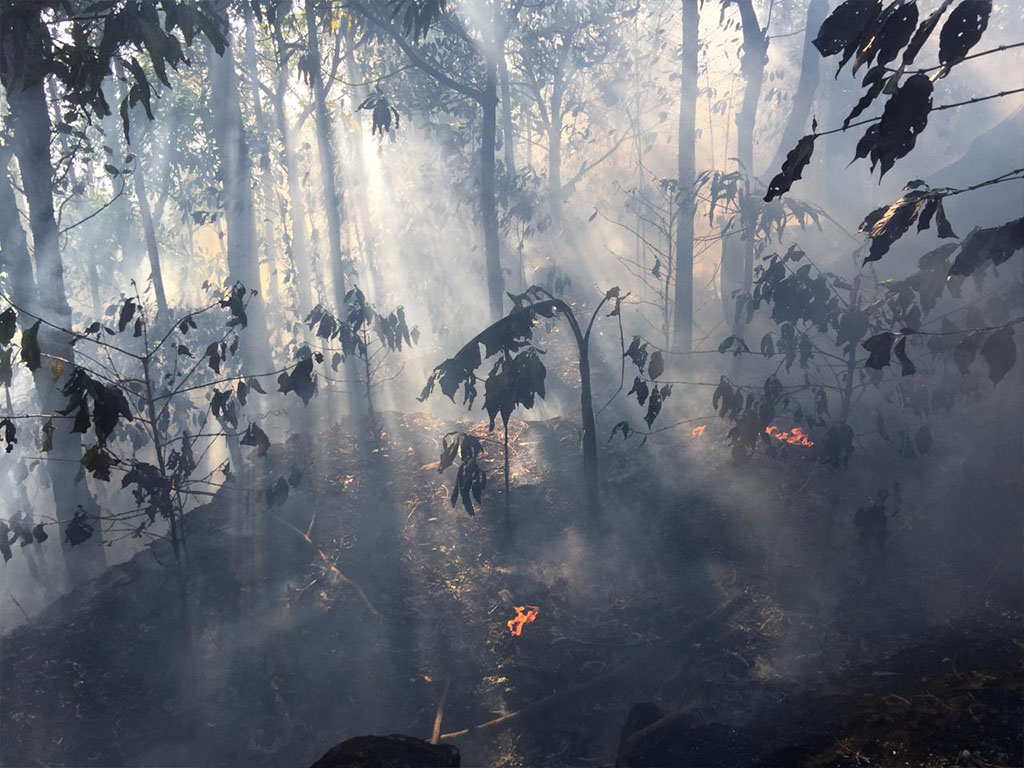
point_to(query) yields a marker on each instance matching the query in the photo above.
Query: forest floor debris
(668, 600)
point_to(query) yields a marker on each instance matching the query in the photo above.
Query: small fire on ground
(698, 430)
(525, 614)
(795, 436)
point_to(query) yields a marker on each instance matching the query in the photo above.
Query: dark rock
(394, 751)
(675, 740)
(640, 716)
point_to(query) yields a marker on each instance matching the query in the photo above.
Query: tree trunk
(263, 151)
(91, 270)
(754, 58)
(236, 175)
(148, 227)
(152, 248)
(508, 141)
(588, 419)
(328, 162)
(32, 134)
(555, 151)
(368, 244)
(810, 71)
(14, 256)
(488, 202)
(589, 437)
(301, 276)
(683, 328)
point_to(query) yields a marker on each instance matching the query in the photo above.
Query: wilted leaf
(79, 530)
(30, 352)
(852, 326)
(891, 31)
(888, 224)
(1000, 352)
(126, 315)
(841, 31)
(641, 390)
(993, 243)
(962, 31)
(879, 349)
(653, 406)
(966, 351)
(904, 118)
(9, 433)
(792, 168)
(8, 325)
(622, 426)
(257, 438)
(923, 32)
(907, 367)
(656, 366)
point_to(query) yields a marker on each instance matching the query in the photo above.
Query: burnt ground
(736, 598)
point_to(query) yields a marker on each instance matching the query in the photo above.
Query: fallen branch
(439, 715)
(331, 567)
(719, 616)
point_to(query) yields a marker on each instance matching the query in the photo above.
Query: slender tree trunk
(508, 139)
(15, 261)
(14, 254)
(91, 269)
(508, 485)
(753, 60)
(555, 151)
(148, 228)
(236, 175)
(334, 273)
(301, 276)
(683, 330)
(152, 248)
(810, 72)
(488, 201)
(589, 438)
(263, 151)
(589, 420)
(32, 135)
(368, 245)
(31, 124)
(328, 161)
(127, 239)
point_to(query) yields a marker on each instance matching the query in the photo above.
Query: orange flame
(698, 430)
(525, 614)
(795, 436)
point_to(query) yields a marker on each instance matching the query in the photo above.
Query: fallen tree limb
(439, 715)
(718, 617)
(330, 567)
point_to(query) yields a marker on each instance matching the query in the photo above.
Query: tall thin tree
(683, 320)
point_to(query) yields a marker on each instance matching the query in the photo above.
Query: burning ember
(698, 430)
(525, 614)
(795, 436)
